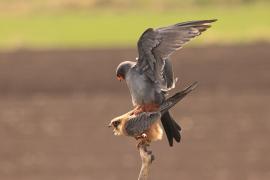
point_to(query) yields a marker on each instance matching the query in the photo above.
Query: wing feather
(136, 125)
(156, 45)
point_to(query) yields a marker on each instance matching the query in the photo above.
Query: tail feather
(172, 129)
(167, 126)
(171, 101)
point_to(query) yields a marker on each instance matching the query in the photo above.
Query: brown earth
(55, 105)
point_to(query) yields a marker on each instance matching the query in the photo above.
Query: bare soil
(55, 105)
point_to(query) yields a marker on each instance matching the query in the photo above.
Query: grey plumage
(151, 77)
(152, 74)
(136, 125)
(156, 45)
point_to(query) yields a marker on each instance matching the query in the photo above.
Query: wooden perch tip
(147, 158)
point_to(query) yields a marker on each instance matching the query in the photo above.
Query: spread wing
(136, 125)
(156, 45)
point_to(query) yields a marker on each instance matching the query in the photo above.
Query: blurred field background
(58, 90)
(107, 23)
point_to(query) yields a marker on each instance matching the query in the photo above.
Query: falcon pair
(150, 78)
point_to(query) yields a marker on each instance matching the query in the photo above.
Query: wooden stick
(147, 159)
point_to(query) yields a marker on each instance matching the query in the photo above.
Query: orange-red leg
(136, 110)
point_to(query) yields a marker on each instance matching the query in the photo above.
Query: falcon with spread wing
(151, 77)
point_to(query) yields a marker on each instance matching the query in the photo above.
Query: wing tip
(190, 88)
(197, 22)
(211, 20)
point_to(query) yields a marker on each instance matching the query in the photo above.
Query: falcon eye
(116, 123)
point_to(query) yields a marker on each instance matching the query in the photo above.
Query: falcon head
(122, 69)
(117, 124)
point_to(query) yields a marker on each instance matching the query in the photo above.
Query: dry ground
(55, 104)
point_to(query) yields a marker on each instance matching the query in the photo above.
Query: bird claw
(138, 110)
(143, 140)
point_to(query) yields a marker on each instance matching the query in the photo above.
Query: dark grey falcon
(151, 77)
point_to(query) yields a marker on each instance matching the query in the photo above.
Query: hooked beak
(120, 78)
(110, 125)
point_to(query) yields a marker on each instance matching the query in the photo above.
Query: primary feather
(156, 45)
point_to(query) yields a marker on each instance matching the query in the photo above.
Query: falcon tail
(172, 129)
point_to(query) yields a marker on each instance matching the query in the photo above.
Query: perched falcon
(145, 126)
(151, 76)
